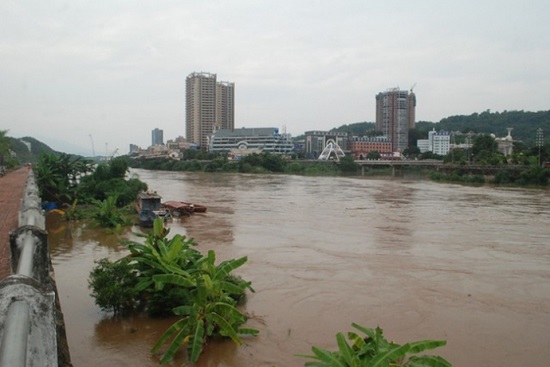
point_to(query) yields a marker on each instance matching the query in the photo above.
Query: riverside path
(12, 188)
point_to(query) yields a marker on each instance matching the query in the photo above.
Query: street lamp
(540, 142)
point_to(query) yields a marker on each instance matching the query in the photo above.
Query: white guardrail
(28, 311)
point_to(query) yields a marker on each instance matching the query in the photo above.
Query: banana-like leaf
(345, 350)
(393, 354)
(151, 263)
(175, 270)
(184, 310)
(225, 328)
(200, 291)
(232, 287)
(162, 249)
(144, 284)
(357, 341)
(208, 284)
(194, 349)
(176, 246)
(314, 363)
(175, 279)
(371, 333)
(158, 228)
(422, 345)
(428, 361)
(175, 327)
(181, 338)
(329, 358)
(227, 267)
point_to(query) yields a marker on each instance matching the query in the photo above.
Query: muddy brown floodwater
(422, 260)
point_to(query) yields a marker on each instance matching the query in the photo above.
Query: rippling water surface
(422, 260)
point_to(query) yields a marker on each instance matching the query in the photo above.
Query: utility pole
(540, 143)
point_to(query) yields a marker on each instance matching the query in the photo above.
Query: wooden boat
(149, 208)
(183, 208)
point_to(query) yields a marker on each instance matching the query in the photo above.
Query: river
(422, 260)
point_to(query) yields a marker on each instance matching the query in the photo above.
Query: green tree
(484, 145)
(348, 165)
(108, 179)
(58, 176)
(112, 285)
(457, 156)
(4, 146)
(373, 155)
(411, 152)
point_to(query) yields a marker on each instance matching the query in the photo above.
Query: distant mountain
(28, 149)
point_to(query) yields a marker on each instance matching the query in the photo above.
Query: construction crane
(414, 85)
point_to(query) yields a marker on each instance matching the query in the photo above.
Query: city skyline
(116, 70)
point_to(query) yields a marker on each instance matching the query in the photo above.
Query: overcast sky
(75, 71)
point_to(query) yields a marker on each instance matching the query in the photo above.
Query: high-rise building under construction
(395, 116)
(210, 105)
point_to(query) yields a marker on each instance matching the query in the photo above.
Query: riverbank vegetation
(463, 166)
(101, 190)
(166, 276)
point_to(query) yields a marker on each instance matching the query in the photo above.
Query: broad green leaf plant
(212, 312)
(170, 271)
(374, 350)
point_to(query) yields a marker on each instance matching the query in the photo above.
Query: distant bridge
(436, 165)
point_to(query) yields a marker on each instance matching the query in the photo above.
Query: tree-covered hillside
(23, 154)
(357, 128)
(524, 124)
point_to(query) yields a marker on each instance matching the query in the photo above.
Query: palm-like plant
(213, 309)
(161, 255)
(57, 176)
(171, 276)
(107, 214)
(375, 351)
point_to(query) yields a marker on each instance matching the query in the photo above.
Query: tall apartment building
(157, 137)
(225, 105)
(395, 115)
(210, 105)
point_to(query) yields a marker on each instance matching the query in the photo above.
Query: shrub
(112, 285)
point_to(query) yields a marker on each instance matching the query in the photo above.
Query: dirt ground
(12, 187)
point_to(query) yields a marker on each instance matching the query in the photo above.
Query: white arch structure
(332, 151)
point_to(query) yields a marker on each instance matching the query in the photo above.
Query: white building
(263, 139)
(438, 143)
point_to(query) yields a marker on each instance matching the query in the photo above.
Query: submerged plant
(212, 311)
(167, 276)
(107, 214)
(162, 255)
(374, 350)
(113, 285)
